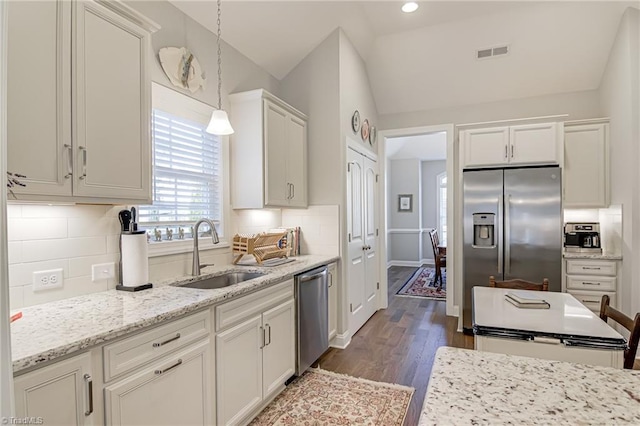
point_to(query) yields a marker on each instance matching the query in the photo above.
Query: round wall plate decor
(355, 121)
(364, 132)
(373, 136)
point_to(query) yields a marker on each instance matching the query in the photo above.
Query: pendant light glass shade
(219, 124)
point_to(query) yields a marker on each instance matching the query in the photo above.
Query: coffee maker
(582, 237)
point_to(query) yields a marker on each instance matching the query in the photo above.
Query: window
(442, 207)
(187, 168)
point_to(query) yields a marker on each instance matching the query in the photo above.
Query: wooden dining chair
(439, 256)
(633, 325)
(519, 284)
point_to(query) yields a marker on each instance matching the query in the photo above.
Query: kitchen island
(473, 387)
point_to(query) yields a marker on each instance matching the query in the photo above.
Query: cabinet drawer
(134, 351)
(591, 267)
(235, 311)
(586, 282)
(592, 299)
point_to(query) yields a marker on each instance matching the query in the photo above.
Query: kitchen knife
(125, 220)
(134, 224)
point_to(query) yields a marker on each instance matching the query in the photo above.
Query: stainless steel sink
(224, 280)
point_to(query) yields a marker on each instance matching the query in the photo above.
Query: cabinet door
(276, 188)
(57, 393)
(239, 371)
(482, 147)
(586, 176)
(278, 354)
(111, 98)
(534, 143)
(172, 391)
(297, 161)
(333, 300)
(39, 95)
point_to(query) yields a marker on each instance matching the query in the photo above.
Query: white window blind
(187, 169)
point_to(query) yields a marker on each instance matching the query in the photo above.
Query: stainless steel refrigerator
(512, 228)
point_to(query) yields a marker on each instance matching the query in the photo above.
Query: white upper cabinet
(586, 165)
(268, 152)
(527, 144)
(79, 121)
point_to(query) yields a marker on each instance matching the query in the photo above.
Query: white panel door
(585, 174)
(482, 147)
(172, 391)
(371, 275)
(275, 161)
(297, 161)
(57, 393)
(39, 95)
(278, 354)
(239, 371)
(356, 255)
(533, 143)
(112, 95)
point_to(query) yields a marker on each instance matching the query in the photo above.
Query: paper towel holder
(120, 286)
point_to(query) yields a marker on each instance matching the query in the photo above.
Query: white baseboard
(414, 263)
(341, 341)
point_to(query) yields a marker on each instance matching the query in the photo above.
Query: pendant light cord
(219, 61)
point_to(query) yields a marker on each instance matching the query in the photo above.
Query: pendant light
(219, 124)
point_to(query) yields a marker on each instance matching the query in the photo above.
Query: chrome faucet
(195, 270)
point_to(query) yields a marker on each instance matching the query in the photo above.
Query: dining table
(565, 331)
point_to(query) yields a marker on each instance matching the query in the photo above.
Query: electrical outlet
(46, 280)
(103, 271)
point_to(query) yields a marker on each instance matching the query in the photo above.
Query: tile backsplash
(75, 237)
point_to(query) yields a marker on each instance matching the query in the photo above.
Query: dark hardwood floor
(398, 344)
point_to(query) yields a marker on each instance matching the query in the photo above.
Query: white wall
(404, 232)
(619, 95)
(578, 105)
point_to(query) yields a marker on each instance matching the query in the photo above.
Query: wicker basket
(261, 246)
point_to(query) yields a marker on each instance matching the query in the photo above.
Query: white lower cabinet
(333, 300)
(589, 279)
(171, 391)
(255, 354)
(59, 394)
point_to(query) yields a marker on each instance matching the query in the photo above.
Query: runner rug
(421, 284)
(321, 397)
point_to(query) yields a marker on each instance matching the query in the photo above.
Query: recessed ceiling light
(410, 6)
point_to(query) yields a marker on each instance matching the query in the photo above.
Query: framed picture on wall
(405, 202)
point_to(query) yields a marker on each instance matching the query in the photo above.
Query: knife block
(134, 262)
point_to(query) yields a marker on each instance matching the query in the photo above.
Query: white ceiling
(427, 59)
(428, 147)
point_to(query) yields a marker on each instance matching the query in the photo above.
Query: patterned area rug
(421, 284)
(320, 397)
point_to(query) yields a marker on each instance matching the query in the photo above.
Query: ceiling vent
(492, 52)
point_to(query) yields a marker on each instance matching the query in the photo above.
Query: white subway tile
(113, 244)
(15, 252)
(22, 273)
(81, 266)
(72, 287)
(16, 298)
(14, 210)
(93, 227)
(38, 250)
(21, 229)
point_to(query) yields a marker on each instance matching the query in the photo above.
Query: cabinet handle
(590, 301)
(512, 149)
(268, 329)
(84, 162)
(588, 283)
(69, 161)
(293, 191)
(89, 383)
(592, 268)
(330, 280)
(506, 152)
(160, 372)
(157, 345)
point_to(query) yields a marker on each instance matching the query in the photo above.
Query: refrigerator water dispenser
(484, 230)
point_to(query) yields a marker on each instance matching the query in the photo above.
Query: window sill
(165, 248)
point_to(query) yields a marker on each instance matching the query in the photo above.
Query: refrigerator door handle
(498, 237)
(507, 236)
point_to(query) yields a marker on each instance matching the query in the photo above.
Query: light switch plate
(46, 280)
(103, 271)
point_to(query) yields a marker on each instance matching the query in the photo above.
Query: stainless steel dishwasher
(312, 313)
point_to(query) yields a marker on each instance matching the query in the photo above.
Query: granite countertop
(598, 256)
(473, 387)
(55, 329)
